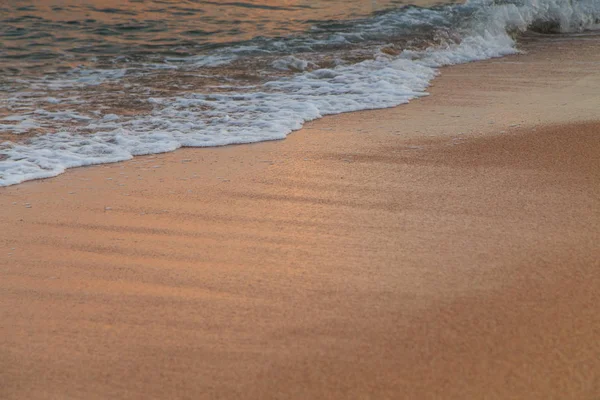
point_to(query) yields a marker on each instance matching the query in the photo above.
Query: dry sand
(446, 249)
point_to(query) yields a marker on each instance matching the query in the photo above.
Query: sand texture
(446, 249)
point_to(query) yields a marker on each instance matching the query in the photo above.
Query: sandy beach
(444, 249)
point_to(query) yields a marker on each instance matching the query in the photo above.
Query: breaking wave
(257, 90)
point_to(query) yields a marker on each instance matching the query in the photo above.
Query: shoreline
(443, 248)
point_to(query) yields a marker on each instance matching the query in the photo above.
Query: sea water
(97, 81)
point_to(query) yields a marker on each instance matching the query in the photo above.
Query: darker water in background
(61, 34)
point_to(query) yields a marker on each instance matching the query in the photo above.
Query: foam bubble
(291, 63)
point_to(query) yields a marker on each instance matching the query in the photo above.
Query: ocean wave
(304, 78)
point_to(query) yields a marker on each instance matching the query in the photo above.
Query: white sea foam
(272, 110)
(291, 63)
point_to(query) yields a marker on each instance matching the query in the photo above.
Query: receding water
(38, 34)
(94, 81)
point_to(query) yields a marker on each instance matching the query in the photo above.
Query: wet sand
(446, 249)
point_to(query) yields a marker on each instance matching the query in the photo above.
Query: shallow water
(87, 82)
(66, 33)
